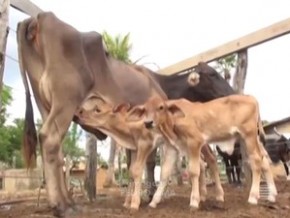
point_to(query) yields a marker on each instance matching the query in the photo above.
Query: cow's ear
(121, 108)
(136, 113)
(175, 110)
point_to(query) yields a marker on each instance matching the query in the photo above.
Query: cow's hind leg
(170, 155)
(51, 134)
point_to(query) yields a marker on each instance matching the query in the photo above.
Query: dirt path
(176, 206)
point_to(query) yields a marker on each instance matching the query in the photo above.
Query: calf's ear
(175, 110)
(121, 108)
(136, 113)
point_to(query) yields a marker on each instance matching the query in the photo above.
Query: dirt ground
(109, 204)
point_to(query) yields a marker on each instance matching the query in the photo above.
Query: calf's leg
(167, 167)
(136, 172)
(202, 181)
(212, 163)
(194, 172)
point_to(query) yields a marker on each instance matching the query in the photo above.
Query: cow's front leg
(166, 170)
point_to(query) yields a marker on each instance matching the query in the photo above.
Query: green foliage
(6, 99)
(10, 143)
(226, 64)
(70, 143)
(119, 46)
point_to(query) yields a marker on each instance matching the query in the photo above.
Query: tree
(6, 97)
(10, 143)
(119, 46)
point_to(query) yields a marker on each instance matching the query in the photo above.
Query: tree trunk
(91, 166)
(4, 30)
(239, 85)
(110, 178)
(241, 72)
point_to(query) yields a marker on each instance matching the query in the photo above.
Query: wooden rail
(255, 38)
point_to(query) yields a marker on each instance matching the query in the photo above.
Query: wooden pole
(4, 30)
(91, 166)
(241, 72)
(239, 81)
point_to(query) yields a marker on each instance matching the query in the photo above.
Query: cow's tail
(29, 140)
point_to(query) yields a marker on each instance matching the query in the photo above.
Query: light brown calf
(99, 114)
(189, 126)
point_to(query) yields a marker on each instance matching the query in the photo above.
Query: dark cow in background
(278, 147)
(233, 167)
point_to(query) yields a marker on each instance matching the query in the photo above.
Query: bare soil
(175, 206)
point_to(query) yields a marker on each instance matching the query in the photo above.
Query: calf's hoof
(271, 198)
(253, 200)
(193, 209)
(126, 205)
(152, 204)
(194, 204)
(220, 198)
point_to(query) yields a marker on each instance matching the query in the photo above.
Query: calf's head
(98, 113)
(156, 113)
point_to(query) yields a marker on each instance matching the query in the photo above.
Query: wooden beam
(26, 6)
(255, 38)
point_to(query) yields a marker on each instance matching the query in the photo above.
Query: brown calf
(99, 114)
(188, 126)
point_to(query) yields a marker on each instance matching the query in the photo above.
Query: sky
(170, 31)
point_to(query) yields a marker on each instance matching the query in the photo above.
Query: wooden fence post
(4, 30)
(239, 81)
(91, 166)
